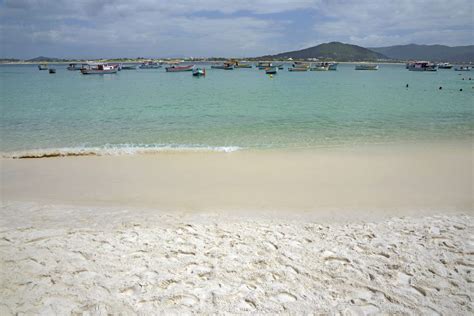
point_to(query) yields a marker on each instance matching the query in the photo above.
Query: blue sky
(201, 28)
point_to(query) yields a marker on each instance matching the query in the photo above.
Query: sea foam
(114, 150)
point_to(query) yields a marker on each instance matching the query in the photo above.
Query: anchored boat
(422, 66)
(225, 66)
(198, 72)
(271, 70)
(175, 68)
(367, 67)
(150, 65)
(129, 67)
(73, 67)
(98, 69)
(445, 66)
(462, 68)
(43, 67)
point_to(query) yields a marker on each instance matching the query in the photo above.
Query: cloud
(95, 28)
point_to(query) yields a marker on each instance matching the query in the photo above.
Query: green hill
(333, 51)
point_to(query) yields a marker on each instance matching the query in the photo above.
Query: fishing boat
(43, 67)
(198, 72)
(422, 66)
(263, 65)
(271, 70)
(445, 66)
(224, 66)
(462, 68)
(129, 67)
(320, 67)
(98, 69)
(332, 66)
(150, 65)
(367, 67)
(176, 68)
(239, 65)
(52, 70)
(73, 67)
(298, 69)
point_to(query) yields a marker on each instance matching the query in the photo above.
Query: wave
(114, 150)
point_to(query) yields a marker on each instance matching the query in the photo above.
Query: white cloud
(89, 28)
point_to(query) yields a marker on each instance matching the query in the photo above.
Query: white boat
(43, 67)
(333, 66)
(462, 68)
(445, 66)
(73, 67)
(422, 66)
(367, 67)
(98, 69)
(320, 67)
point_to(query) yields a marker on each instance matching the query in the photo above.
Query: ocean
(140, 111)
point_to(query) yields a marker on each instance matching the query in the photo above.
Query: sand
(90, 261)
(351, 231)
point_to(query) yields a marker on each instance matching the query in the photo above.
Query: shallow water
(147, 110)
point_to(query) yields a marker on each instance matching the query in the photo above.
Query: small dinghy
(198, 72)
(52, 71)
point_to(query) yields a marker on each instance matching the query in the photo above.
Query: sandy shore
(70, 260)
(351, 182)
(352, 231)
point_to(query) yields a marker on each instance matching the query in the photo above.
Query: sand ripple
(172, 265)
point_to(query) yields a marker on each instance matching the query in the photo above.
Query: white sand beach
(90, 261)
(336, 231)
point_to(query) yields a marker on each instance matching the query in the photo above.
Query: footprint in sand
(285, 297)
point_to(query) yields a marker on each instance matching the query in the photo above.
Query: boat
(117, 66)
(175, 68)
(43, 67)
(73, 67)
(198, 72)
(271, 70)
(129, 67)
(422, 66)
(224, 66)
(52, 70)
(239, 65)
(98, 69)
(367, 67)
(320, 67)
(445, 66)
(150, 65)
(298, 69)
(462, 68)
(263, 65)
(332, 66)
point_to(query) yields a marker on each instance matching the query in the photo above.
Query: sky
(227, 28)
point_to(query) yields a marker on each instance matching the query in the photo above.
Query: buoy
(460, 89)
(407, 85)
(440, 88)
(271, 76)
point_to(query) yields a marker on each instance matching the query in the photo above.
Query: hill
(334, 51)
(46, 59)
(428, 52)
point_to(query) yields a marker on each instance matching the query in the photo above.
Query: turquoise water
(227, 110)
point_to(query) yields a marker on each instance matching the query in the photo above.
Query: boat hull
(367, 67)
(298, 69)
(179, 69)
(98, 72)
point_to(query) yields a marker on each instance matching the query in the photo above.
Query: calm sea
(148, 110)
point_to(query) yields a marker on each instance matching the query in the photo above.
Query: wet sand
(382, 180)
